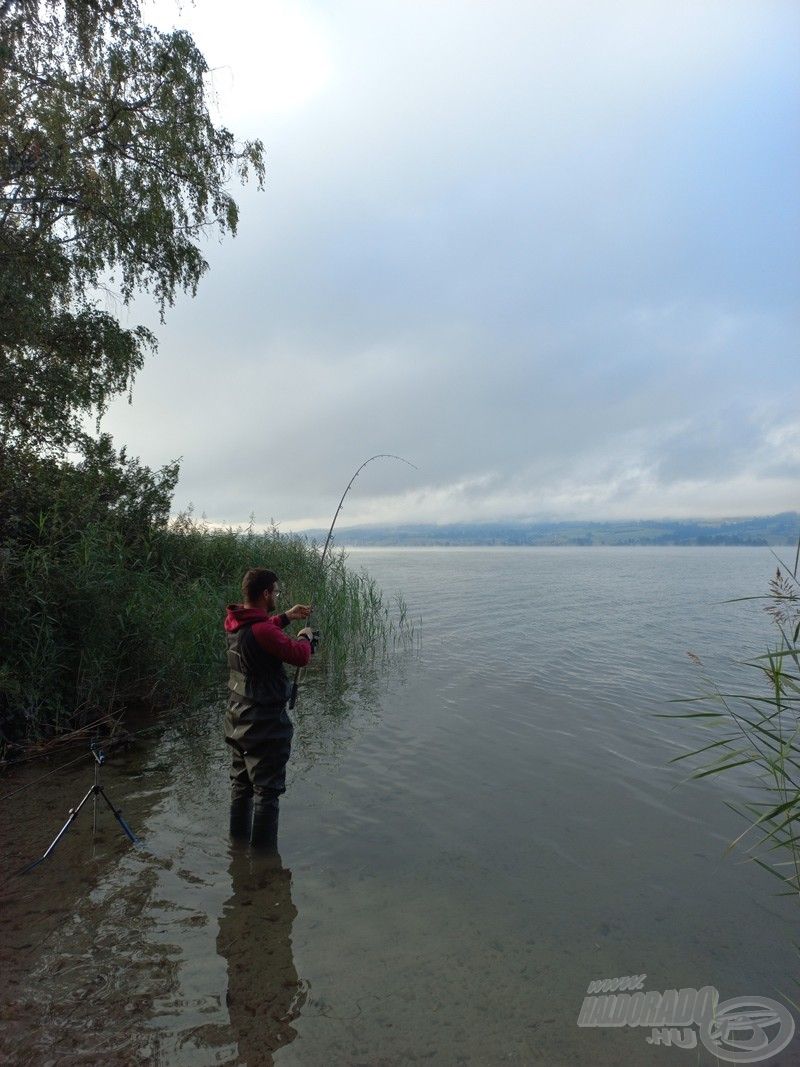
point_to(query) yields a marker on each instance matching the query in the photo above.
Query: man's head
(260, 588)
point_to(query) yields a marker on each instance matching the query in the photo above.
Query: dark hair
(255, 582)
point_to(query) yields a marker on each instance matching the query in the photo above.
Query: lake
(467, 841)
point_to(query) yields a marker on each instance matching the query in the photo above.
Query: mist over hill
(782, 529)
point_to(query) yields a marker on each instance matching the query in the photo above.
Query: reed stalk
(761, 742)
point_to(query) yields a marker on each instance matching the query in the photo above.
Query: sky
(547, 252)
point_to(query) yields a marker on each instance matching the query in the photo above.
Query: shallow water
(465, 843)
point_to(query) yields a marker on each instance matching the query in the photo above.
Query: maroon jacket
(268, 632)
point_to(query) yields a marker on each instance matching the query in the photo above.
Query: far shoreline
(639, 544)
(757, 531)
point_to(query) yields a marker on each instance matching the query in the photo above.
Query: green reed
(96, 623)
(761, 738)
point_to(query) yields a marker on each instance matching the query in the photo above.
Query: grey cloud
(545, 251)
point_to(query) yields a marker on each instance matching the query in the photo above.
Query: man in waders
(257, 725)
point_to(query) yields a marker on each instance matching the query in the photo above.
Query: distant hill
(780, 529)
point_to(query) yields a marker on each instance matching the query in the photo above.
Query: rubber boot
(264, 833)
(241, 818)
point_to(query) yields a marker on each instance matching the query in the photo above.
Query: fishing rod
(381, 455)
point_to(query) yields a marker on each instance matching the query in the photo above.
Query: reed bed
(95, 624)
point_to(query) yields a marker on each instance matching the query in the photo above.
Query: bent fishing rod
(381, 455)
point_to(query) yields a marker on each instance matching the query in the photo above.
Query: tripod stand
(95, 791)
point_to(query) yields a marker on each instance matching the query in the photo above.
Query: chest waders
(259, 732)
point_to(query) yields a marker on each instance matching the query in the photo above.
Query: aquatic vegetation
(762, 735)
(97, 623)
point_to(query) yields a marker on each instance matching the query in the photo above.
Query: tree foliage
(111, 174)
(111, 171)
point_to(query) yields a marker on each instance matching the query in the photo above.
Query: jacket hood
(238, 615)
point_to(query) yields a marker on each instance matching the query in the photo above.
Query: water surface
(466, 842)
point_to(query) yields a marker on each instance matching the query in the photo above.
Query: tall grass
(761, 739)
(94, 624)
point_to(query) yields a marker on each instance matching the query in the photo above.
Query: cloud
(548, 252)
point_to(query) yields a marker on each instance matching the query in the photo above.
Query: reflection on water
(180, 951)
(265, 994)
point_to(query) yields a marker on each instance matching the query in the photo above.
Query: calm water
(465, 844)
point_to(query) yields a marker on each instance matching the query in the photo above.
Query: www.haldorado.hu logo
(739, 1030)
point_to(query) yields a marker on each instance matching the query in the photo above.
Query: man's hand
(312, 636)
(299, 611)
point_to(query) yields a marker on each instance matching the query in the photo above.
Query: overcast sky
(547, 251)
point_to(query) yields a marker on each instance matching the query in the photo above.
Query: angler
(257, 725)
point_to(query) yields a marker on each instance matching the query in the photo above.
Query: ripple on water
(460, 853)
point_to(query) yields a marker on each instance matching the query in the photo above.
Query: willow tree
(111, 173)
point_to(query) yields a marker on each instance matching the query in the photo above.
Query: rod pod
(96, 790)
